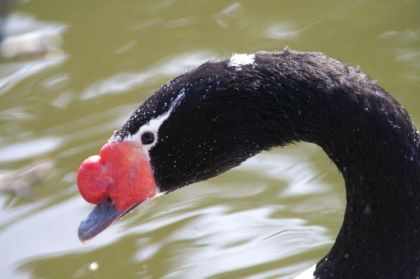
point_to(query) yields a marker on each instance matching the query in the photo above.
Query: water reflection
(178, 238)
(22, 181)
(28, 149)
(24, 36)
(229, 15)
(12, 74)
(126, 81)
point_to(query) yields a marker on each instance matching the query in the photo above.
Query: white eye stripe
(154, 125)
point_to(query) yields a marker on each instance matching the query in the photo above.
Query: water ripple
(126, 81)
(28, 149)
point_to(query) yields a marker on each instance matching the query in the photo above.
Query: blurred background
(71, 72)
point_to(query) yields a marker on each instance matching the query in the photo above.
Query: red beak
(117, 180)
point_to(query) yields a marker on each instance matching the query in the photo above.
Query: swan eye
(147, 138)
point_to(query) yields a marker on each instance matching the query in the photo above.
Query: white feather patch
(237, 60)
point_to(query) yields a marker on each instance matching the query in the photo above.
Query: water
(272, 217)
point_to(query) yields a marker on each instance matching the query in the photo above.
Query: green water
(270, 218)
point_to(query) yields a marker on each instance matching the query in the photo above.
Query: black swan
(214, 117)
